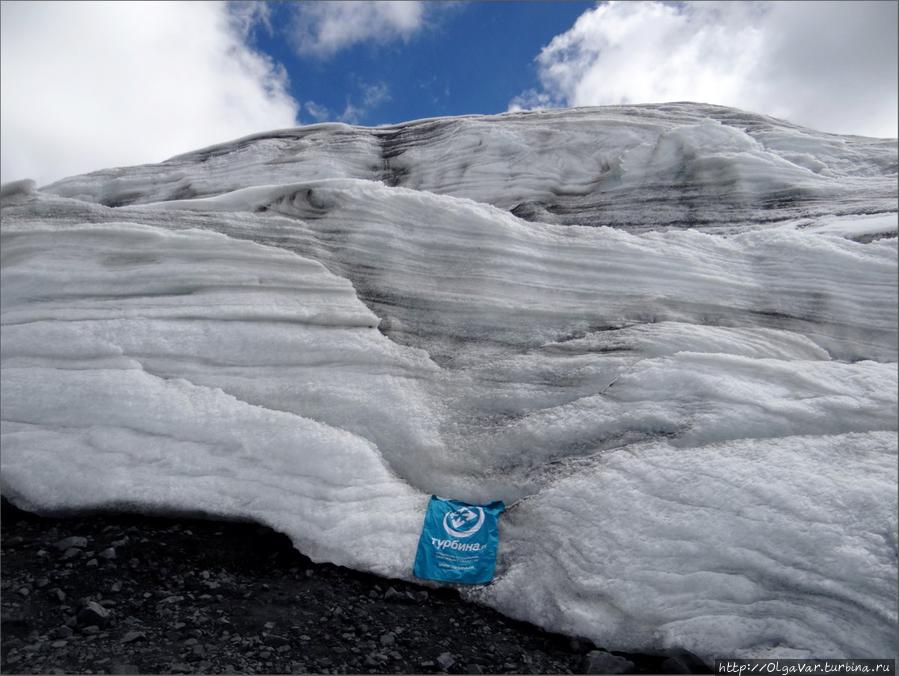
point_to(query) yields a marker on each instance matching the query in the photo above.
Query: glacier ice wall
(667, 335)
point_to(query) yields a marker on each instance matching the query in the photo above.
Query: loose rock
(62, 632)
(274, 640)
(601, 662)
(75, 541)
(393, 595)
(132, 636)
(684, 662)
(445, 660)
(336, 620)
(93, 614)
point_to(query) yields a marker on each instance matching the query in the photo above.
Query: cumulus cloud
(827, 65)
(92, 85)
(248, 14)
(321, 29)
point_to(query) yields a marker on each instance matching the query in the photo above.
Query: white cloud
(531, 99)
(352, 114)
(827, 65)
(373, 95)
(321, 29)
(247, 14)
(318, 112)
(92, 85)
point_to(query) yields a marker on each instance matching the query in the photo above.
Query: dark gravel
(124, 593)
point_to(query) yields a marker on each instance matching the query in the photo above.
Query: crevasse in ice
(666, 335)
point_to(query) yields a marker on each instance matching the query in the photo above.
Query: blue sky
(466, 58)
(88, 85)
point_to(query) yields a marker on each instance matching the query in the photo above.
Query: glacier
(665, 335)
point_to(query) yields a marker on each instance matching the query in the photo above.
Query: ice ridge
(666, 335)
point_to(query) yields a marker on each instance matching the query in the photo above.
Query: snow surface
(667, 335)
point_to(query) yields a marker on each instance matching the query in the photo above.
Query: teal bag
(458, 542)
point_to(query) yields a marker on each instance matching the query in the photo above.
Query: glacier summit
(665, 335)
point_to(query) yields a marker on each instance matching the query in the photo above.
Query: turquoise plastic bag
(458, 542)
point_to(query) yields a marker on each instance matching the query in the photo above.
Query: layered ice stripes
(666, 336)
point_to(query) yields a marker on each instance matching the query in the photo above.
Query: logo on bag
(464, 522)
(458, 542)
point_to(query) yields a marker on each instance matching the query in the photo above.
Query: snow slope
(667, 334)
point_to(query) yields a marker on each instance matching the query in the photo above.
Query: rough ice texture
(667, 335)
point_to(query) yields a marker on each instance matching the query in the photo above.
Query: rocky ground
(136, 594)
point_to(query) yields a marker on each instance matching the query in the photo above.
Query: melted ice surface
(667, 335)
